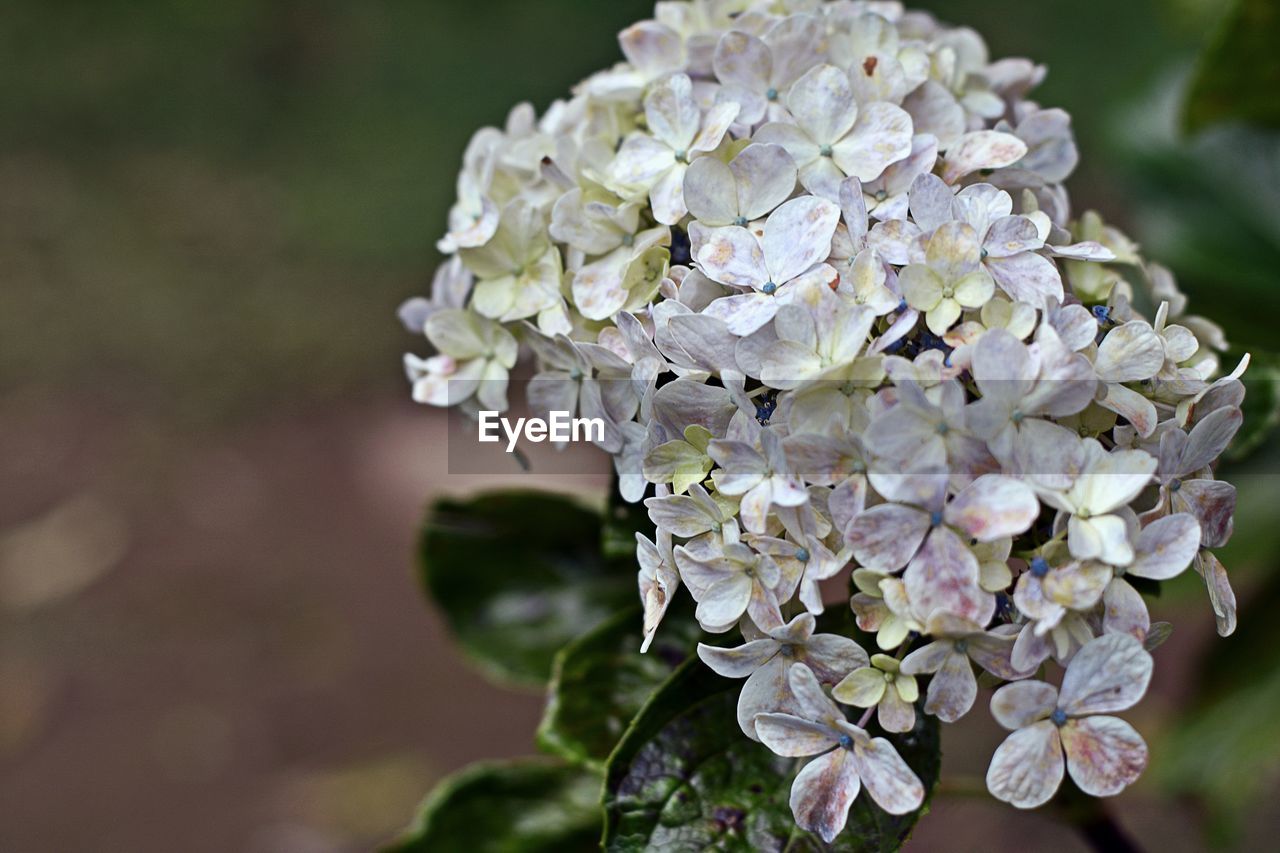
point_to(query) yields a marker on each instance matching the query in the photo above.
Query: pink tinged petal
(832, 657)
(1213, 503)
(1132, 406)
(885, 537)
(792, 737)
(1129, 353)
(797, 236)
(1027, 277)
(944, 576)
(935, 110)
(928, 658)
(1031, 599)
(1124, 611)
(763, 607)
(888, 779)
(733, 256)
(895, 713)
(993, 507)
(1018, 705)
(983, 149)
(1221, 596)
(881, 136)
(754, 508)
(1027, 768)
(741, 661)
(724, 602)
(952, 690)
(1104, 754)
(823, 791)
(994, 653)
(1166, 547)
(822, 103)
(1110, 673)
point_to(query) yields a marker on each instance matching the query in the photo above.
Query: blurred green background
(209, 635)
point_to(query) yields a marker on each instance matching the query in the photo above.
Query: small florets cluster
(814, 266)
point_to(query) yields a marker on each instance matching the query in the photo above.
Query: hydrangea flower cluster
(814, 265)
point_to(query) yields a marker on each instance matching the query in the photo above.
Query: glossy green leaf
(685, 777)
(524, 806)
(600, 681)
(1239, 74)
(518, 575)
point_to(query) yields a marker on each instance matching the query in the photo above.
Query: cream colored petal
(983, 149)
(861, 688)
(993, 507)
(1166, 547)
(1124, 611)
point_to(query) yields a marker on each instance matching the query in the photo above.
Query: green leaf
(684, 776)
(1261, 406)
(1239, 74)
(523, 806)
(600, 681)
(518, 575)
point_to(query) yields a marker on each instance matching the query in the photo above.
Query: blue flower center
(772, 94)
(825, 151)
(803, 555)
(935, 518)
(1175, 484)
(741, 222)
(1058, 717)
(682, 156)
(1039, 567)
(846, 741)
(769, 288)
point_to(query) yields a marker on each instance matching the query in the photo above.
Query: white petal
(672, 112)
(881, 136)
(888, 779)
(1124, 611)
(982, 149)
(1166, 547)
(1027, 768)
(1110, 673)
(1129, 353)
(1022, 703)
(710, 192)
(741, 661)
(791, 736)
(733, 256)
(822, 103)
(886, 537)
(798, 235)
(766, 177)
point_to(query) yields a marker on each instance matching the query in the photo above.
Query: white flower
(1104, 754)
(475, 355)
(950, 280)
(518, 270)
(833, 137)
(766, 664)
(797, 238)
(749, 187)
(848, 760)
(655, 163)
